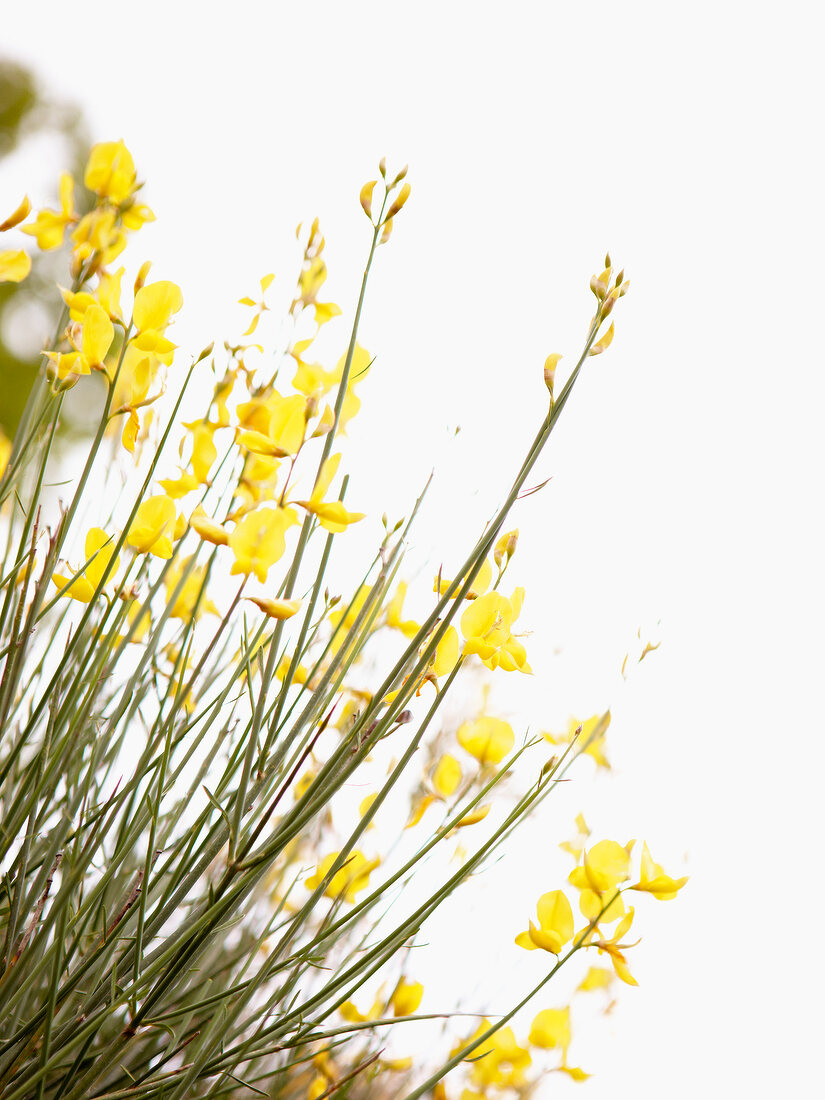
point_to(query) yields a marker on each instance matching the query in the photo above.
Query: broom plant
(192, 904)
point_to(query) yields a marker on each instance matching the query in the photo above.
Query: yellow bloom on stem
(152, 528)
(349, 880)
(591, 737)
(96, 338)
(480, 584)
(259, 540)
(654, 880)
(551, 1028)
(486, 625)
(406, 998)
(332, 515)
(14, 266)
(555, 924)
(615, 950)
(50, 225)
(110, 171)
(489, 740)
(82, 585)
(275, 428)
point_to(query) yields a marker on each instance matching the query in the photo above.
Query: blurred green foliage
(29, 115)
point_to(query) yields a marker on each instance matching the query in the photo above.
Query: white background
(686, 474)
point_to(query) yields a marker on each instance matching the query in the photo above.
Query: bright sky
(686, 471)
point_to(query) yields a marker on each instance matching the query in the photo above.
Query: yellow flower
(96, 338)
(408, 627)
(82, 585)
(152, 528)
(480, 584)
(110, 171)
(474, 816)
(187, 599)
(654, 880)
(155, 304)
(98, 233)
(499, 1061)
(591, 736)
(551, 1028)
(406, 998)
(50, 225)
(332, 515)
(555, 924)
(14, 266)
(447, 775)
(487, 739)
(349, 880)
(605, 866)
(486, 625)
(614, 950)
(595, 978)
(207, 528)
(258, 541)
(276, 609)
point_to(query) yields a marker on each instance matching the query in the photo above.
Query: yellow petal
(19, 214)
(155, 304)
(556, 915)
(98, 334)
(489, 740)
(276, 609)
(14, 266)
(551, 1028)
(447, 775)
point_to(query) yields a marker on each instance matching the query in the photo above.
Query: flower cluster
(218, 771)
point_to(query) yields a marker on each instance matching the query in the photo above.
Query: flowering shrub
(191, 905)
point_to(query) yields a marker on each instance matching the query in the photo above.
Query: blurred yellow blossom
(489, 740)
(349, 880)
(406, 998)
(110, 171)
(551, 1028)
(14, 266)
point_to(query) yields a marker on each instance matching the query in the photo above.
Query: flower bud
(399, 201)
(366, 197)
(142, 275)
(550, 364)
(505, 547)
